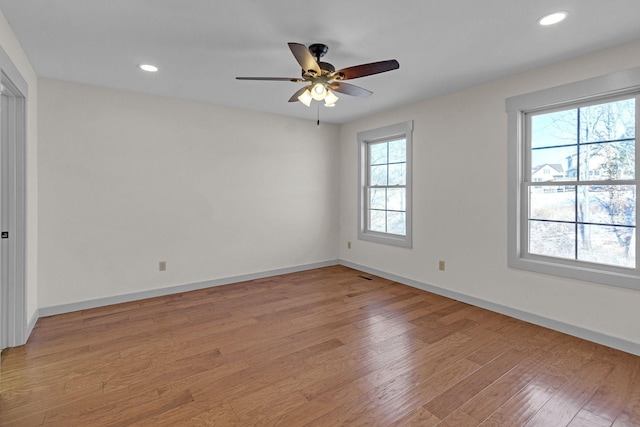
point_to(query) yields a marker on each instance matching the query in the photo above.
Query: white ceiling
(200, 46)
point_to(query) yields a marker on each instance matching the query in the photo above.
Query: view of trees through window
(387, 174)
(581, 185)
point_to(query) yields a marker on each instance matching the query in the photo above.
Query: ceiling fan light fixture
(318, 92)
(320, 76)
(305, 98)
(330, 99)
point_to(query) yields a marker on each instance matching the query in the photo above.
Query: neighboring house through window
(573, 178)
(385, 184)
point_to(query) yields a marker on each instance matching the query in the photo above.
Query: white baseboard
(135, 296)
(576, 331)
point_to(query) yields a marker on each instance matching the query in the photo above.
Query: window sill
(596, 274)
(388, 239)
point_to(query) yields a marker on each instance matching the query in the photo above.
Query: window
(573, 178)
(385, 184)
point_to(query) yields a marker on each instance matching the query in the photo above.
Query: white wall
(128, 180)
(12, 47)
(460, 203)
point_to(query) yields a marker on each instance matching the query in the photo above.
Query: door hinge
(4, 235)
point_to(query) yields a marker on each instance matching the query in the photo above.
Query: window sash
(386, 209)
(576, 250)
(370, 165)
(528, 182)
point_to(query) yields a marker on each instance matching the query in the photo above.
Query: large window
(573, 180)
(385, 184)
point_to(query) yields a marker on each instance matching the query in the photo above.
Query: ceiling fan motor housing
(318, 50)
(325, 66)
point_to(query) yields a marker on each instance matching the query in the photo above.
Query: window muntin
(385, 184)
(591, 150)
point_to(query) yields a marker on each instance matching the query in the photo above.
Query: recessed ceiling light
(148, 67)
(552, 18)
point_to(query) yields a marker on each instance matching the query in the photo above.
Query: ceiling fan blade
(366, 69)
(275, 79)
(305, 59)
(294, 97)
(349, 89)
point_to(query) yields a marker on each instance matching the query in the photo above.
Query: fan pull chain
(318, 122)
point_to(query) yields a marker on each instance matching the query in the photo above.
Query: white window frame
(612, 85)
(387, 133)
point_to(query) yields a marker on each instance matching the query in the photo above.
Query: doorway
(12, 212)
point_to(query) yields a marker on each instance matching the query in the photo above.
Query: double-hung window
(385, 184)
(573, 180)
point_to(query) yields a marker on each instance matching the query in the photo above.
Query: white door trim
(13, 87)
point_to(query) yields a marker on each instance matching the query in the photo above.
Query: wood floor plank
(418, 418)
(326, 403)
(585, 418)
(22, 419)
(485, 403)
(458, 419)
(403, 395)
(322, 347)
(465, 390)
(194, 414)
(630, 415)
(562, 407)
(613, 394)
(525, 403)
(267, 411)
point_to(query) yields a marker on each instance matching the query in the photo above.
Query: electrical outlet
(348, 245)
(441, 265)
(163, 266)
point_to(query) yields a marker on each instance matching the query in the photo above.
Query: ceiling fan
(323, 78)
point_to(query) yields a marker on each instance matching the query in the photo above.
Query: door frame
(13, 125)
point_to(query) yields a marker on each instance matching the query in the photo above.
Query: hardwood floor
(324, 347)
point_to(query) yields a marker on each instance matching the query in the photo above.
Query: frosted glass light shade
(330, 99)
(305, 98)
(318, 92)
